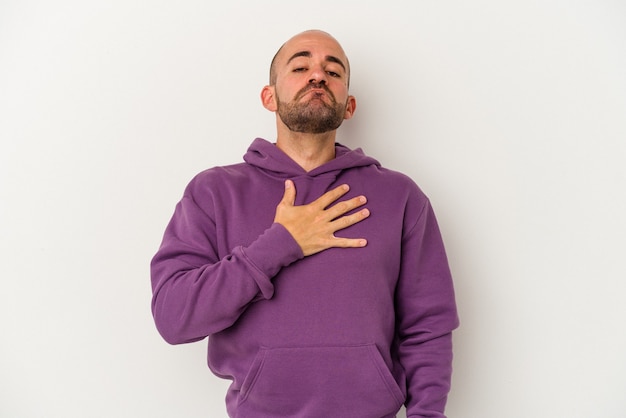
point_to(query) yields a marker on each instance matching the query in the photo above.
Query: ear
(350, 107)
(268, 98)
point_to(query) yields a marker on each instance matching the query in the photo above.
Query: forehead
(313, 44)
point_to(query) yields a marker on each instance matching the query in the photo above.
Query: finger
(348, 220)
(349, 242)
(289, 197)
(346, 206)
(329, 197)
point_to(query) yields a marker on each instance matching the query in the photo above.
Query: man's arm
(426, 317)
(195, 293)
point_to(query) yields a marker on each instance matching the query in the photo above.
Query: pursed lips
(316, 91)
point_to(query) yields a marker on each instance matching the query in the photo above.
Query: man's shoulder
(394, 177)
(217, 177)
(380, 182)
(221, 172)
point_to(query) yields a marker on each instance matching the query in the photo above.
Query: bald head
(299, 45)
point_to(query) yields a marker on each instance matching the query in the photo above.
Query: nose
(317, 75)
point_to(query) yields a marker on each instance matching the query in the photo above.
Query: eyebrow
(308, 54)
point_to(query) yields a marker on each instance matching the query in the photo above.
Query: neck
(308, 150)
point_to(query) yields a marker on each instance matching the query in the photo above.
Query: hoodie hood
(268, 157)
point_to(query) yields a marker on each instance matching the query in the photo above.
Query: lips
(317, 91)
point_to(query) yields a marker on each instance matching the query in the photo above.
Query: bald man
(319, 277)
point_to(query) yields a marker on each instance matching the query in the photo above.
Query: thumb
(289, 197)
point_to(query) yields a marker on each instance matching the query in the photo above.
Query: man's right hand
(313, 225)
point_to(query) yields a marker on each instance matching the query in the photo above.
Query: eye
(299, 69)
(333, 74)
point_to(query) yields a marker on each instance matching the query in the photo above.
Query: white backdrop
(511, 115)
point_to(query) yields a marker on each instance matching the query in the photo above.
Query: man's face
(311, 88)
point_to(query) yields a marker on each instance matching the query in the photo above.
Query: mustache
(315, 86)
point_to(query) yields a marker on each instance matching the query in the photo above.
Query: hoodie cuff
(272, 251)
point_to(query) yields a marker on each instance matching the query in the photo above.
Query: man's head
(309, 78)
(296, 38)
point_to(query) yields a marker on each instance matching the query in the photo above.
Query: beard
(313, 116)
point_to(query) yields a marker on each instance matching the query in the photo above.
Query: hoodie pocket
(347, 381)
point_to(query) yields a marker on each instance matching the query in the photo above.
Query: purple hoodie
(343, 333)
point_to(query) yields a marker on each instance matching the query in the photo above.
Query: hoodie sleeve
(196, 293)
(427, 315)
